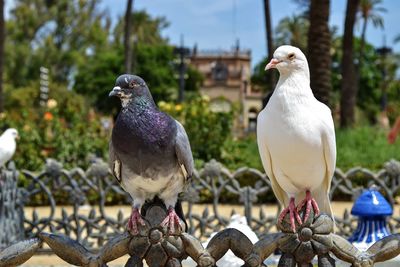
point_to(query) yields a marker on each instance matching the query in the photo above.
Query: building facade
(227, 82)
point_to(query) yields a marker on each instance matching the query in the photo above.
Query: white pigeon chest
(293, 137)
(295, 128)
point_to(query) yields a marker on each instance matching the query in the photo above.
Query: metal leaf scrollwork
(85, 234)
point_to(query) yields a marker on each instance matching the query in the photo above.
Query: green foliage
(56, 34)
(370, 11)
(95, 79)
(207, 130)
(147, 30)
(65, 130)
(71, 145)
(394, 100)
(193, 81)
(364, 146)
(371, 82)
(152, 58)
(53, 138)
(293, 30)
(154, 66)
(84, 53)
(238, 153)
(259, 78)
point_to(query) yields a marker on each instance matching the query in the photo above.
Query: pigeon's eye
(291, 56)
(133, 84)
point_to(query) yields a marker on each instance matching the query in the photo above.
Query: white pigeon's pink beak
(272, 64)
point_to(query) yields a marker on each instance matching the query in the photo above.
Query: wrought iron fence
(97, 231)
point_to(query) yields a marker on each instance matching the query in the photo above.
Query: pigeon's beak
(17, 137)
(272, 64)
(116, 91)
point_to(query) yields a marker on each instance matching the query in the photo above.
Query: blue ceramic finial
(372, 209)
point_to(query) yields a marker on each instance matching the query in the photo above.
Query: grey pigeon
(296, 139)
(149, 152)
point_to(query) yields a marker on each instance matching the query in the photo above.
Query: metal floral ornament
(157, 247)
(311, 238)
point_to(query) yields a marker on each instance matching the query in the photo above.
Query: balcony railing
(96, 238)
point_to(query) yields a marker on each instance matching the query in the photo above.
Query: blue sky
(214, 24)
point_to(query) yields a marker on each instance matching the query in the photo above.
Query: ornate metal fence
(73, 232)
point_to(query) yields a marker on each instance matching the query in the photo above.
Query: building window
(252, 117)
(219, 72)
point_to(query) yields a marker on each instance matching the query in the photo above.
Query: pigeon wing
(114, 163)
(183, 151)
(329, 153)
(267, 163)
(329, 142)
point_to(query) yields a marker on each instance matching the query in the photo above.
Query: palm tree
(319, 44)
(2, 39)
(368, 11)
(292, 30)
(127, 37)
(271, 78)
(349, 78)
(397, 39)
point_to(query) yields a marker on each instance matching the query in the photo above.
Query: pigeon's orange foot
(309, 202)
(172, 221)
(293, 215)
(134, 222)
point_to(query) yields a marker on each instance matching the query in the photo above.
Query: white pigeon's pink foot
(310, 203)
(172, 221)
(134, 222)
(293, 214)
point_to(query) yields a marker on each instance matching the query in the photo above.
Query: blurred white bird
(229, 259)
(296, 139)
(7, 145)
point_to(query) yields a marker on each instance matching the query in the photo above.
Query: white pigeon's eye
(291, 56)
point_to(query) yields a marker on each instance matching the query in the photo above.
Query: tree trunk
(2, 39)
(361, 54)
(349, 78)
(319, 45)
(270, 75)
(127, 37)
(362, 45)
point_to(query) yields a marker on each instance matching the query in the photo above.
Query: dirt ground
(224, 210)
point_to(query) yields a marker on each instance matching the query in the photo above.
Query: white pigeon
(7, 145)
(296, 139)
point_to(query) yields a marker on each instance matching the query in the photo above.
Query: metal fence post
(11, 209)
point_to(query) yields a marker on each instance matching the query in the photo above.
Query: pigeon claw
(172, 222)
(293, 215)
(309, 202)
(134, 220)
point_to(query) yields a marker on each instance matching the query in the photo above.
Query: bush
(238, 153)
(364, 146)
(207, 130)
(65, 130)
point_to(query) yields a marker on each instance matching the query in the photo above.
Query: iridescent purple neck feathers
(142, 126)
